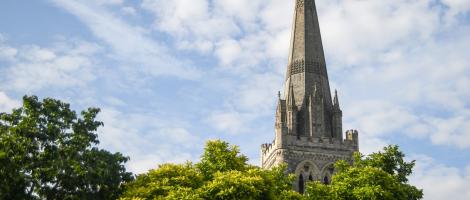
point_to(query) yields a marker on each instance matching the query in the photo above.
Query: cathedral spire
(306, 41)
(308, 131)
(306, 65)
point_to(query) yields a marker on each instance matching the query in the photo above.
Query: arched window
(301, 184)
(326, 181)
(310, 178)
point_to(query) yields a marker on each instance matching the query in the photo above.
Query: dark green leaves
(381, 175)
(47, 151)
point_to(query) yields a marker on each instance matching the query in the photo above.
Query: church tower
(308, 127)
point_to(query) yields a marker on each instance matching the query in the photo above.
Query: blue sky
(170, 75)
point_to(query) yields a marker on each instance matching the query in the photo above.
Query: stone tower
(308, 127)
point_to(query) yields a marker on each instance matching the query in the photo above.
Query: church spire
(308, 122)
(306, 64)
(306, 41)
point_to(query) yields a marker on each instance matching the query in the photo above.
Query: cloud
(407, 83)
(440, 181)
(66, 64)
(7, 103)
(452, 131)
(228, 122)
(7, 53)
(130, 44)
(233, 31)
(149, 140)
(129, 11)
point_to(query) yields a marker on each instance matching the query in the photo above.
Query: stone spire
(306, 65)
(308, 127)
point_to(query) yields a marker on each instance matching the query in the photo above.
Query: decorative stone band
(302, 3)
(301, 66)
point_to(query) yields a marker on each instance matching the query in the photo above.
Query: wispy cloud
(7, 103)
(452, 182)
(148, 139)
(66, 64)
(130, 44)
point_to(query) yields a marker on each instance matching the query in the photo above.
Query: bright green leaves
(234, 185)
(381, 175)
(47, 152)
(168, 180)
(222, 174)
(218, 156)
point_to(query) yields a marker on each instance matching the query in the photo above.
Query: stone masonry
(308, 127)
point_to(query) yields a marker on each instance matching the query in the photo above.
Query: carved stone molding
(301, 66)
(300, 4)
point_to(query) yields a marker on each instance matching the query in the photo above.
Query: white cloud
(190, 18)
(37, 54)
(149, 140)
(234, 31)
(7, 53)
(109, 2)
(129, 11)
(6, 103)
(61, 66)
(440, 181)
(452, 131)
(130, 44)
(228, 122)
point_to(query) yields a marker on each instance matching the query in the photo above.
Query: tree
(381, 175)
(222, 173)
(48, 152)
(218, 156)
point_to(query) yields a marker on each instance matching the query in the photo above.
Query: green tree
(381, 175)
(222, 173)
(48, 152)
(219, 156)
(168, 180)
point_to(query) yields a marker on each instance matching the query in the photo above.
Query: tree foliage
(48, 152)
(222, 173)
(381, 175)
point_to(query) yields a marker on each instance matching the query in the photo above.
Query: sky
(170, 75)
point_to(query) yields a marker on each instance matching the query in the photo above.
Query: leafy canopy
(48, 152)
(222, 173)
(381, 175)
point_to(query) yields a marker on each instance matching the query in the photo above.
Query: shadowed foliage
(48, 152)
(381, 175)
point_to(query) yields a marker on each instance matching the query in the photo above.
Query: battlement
(305, 143)
(268, 148)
